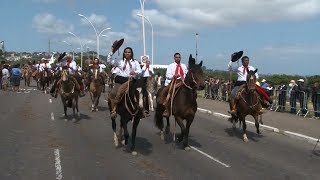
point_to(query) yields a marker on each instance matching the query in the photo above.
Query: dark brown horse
(184, 104)
(248, 103)
(44, 79)
(129, 109)
(69, 93)
(95, 88)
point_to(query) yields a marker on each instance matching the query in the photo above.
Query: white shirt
(124, 67)
(101, 68)
(115, 70)
(241, 76)
(147, 73)
(171, 70)
(72, 66)
(43, 66)
(5, 72)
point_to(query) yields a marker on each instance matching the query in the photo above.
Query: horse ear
(255, 71)
(200, 64)
(190, 57)
(192, 61)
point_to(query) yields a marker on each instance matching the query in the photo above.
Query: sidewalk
(285, 123)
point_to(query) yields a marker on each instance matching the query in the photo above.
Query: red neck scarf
(179, 71)
(245, 68)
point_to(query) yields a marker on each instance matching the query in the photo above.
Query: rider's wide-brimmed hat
(117, 44)
(236, 56)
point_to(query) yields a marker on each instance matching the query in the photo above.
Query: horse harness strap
(133, 114)
(250, 106)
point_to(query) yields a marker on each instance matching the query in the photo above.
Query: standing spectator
(293, 96)
(315, 91)
(5, 77)
(16, 75)
(263, 84)
(282, 89)
(303, 96)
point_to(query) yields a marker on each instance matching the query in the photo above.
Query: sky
(279, 36)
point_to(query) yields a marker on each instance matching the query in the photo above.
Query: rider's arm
(185, 70)
(110, 60)
(232, 68)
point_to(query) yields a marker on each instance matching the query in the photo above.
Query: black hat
(117, 44)
(236, 56)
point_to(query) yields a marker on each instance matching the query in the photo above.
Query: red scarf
(125, 64)
(179, 71)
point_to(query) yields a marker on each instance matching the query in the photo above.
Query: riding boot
(233, 108)
(117, 99)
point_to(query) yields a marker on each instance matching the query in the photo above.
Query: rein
(133, 114)
(248, 93)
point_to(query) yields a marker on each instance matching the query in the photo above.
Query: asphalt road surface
(37, 143)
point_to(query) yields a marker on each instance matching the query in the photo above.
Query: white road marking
(50, 100)
(27, 92)
(57, 164)
(210, 157)
(52, 116)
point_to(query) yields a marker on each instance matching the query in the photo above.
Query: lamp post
(146, 17)
(81, 47)
(69, 44)
(95, 30)
(197, 46)
(143, 33)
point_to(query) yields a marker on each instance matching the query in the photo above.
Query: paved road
(36, 143)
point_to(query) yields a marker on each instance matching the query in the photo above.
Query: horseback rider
(147, 72)
(175, 70)
(242, 72)
(97, 65)
(71, 65)
(128, 67)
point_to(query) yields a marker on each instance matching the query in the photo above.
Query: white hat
(263, 80)
(300, 80)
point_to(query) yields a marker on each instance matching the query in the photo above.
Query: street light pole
(197, 46)
(145, 17)
(143, 33)
(81, 47)
(97, 35)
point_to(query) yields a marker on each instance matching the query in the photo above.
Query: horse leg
(114, 128)
(244, 129)
(125, 129)
(97, 102)
(77, 106)
(133, 135)
(150, 101)
(167, 131)
(186, 134)
(74, 109)
(182, 127)
(256, 123)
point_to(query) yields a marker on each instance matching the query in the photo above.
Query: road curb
(265, 127)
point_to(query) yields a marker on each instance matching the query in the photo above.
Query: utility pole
(49, 46)
(197, 47)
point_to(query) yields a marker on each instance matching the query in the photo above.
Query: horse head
(251, 80)
(194, 77)
(64, 75)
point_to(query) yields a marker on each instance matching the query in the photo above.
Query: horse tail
(159, 111)
(158, 116)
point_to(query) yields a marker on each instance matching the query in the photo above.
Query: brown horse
(95, 88)
(184, 103)
(248, 103)
(69, 93)
(26, 75)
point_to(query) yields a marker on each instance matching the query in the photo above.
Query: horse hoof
(134, 153)
(78, 114)
(187, 148)
(162, 136)
(66, 120)
(123, 142)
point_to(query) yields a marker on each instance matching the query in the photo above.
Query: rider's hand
(176, 76)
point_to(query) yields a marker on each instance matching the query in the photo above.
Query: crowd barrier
(299, 103)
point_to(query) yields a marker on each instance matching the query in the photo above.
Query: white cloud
(48, 23)
(176, 16)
